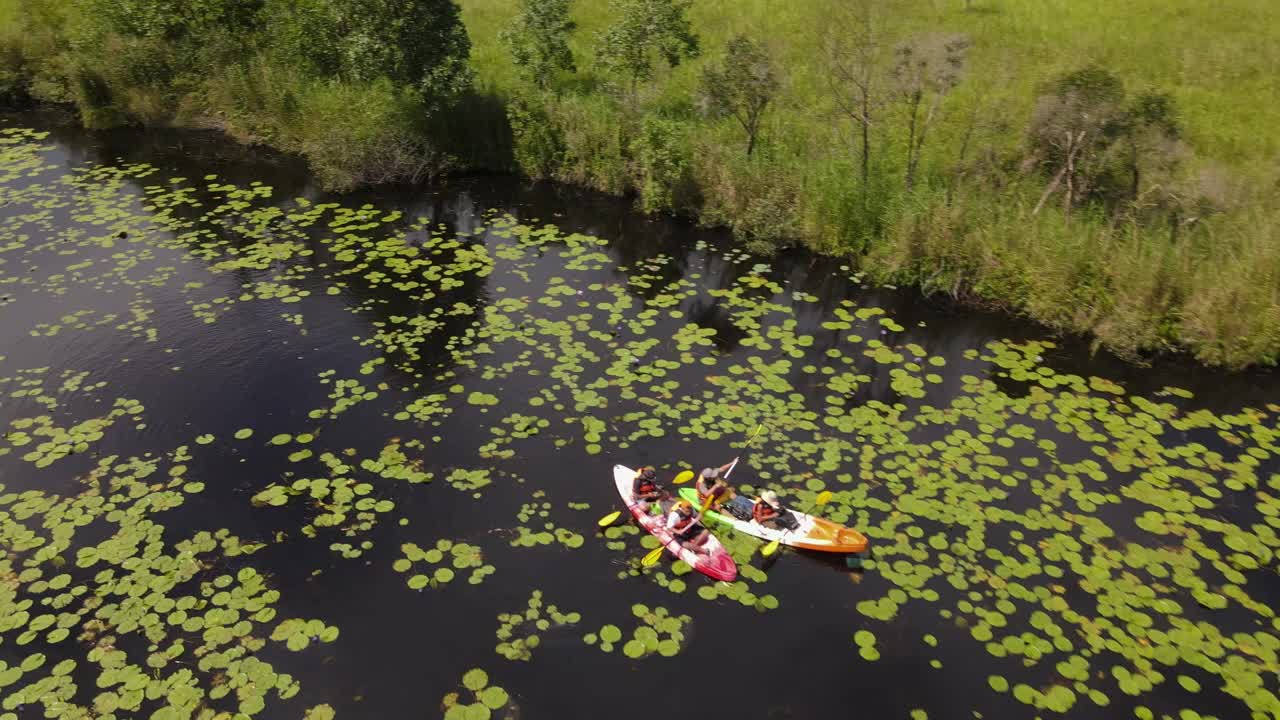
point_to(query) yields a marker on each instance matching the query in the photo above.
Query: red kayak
(711, 559)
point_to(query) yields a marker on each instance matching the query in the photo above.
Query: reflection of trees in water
(633, 238)
(185, 156)
(442, 216)
(708, 313)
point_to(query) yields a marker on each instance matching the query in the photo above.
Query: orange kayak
(811, 533)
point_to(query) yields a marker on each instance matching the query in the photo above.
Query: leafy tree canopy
(538, 39)
(415, 43)
(646, 30)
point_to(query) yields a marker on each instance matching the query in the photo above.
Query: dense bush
(350, 84)
(418, 45)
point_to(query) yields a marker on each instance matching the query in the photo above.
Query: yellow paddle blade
(824, 497)
(608, 519)
(769, 549)
(683, 477)
(652, 558)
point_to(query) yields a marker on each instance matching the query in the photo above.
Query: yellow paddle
(683, 477)
(823, 498)
(652, 558)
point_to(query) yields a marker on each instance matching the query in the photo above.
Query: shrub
(661, 164)
(538, 142)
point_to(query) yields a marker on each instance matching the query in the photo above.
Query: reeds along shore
(1105, 168)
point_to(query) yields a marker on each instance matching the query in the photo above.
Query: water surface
(1016, 490)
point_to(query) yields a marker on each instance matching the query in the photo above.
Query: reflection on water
(288, 368)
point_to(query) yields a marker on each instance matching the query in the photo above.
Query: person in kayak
(685, 526)
(711, 482)
(645, 488)
(769, 512)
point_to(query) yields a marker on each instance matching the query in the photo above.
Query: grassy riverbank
(1152, 227)
(1193, 260)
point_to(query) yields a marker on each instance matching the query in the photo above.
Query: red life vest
(763, 511)
(643, 486)
(683, 522)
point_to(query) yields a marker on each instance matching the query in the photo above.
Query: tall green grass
(967, 229)
(1212, 291)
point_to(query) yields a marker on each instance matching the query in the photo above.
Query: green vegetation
(1028, 156)
(1097, 545)
(284, 72)
(538, 39)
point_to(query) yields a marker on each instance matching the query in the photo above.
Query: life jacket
(763, 511)
(705, 488)
(683, 522)
(643, 486)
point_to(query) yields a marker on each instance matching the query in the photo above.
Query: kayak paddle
(607, 520)
(732, 465)
(823, 498)
(683, 477)
(652, 558)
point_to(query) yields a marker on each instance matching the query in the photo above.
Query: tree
(538, 40)
(854, 69)
(420, 44)
(646, 30)
(741, 85)
(1072, 130)
(1123, 154)
(926, 70)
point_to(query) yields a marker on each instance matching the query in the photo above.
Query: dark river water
(264, 365)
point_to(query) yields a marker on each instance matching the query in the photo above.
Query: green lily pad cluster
(43, 443)
(155, 622)
(658, 632)
(486, 699)
(299, 634)
(518, 632)
(528, 537)
(614, 536)
(448, 557)
(866, 642)
(346, 504)
(393, 463)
